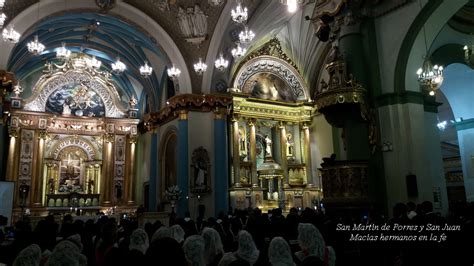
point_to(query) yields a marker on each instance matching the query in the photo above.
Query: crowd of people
(242, 237)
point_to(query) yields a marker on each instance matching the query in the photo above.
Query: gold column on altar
(253, 152)
(284, 160)
(130, 172)
(13, 154)
(106, 187)
(307, 154)
(235, 152)
(37, 176)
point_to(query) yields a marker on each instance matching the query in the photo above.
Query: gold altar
(72, 142)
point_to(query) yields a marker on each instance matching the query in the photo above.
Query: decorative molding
(75, 71)
(276, 66)
(79, 142)
(244, 106)
(271, 48)
(189, 102)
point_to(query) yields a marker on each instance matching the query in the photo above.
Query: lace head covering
(247, 249)
(279, 253)
(162, 232)
(212, 244)
(66, 253)
(311, 240)
(178, 233)
(193, 248)
(30, 255)
(139, 240)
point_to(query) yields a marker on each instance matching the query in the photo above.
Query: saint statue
(268, 146)
(199, 176)
(66, 109)
(184, 23)
(242, 145)
(289, 146)
(199, 22)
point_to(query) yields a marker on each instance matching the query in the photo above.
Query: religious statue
(289, 146)
(199, 21)
(184, 23)
(199, 176)
(192, 22)
(268, 146)
(51, 185)
(133, 102)
(242, 144)
(90, 186)
(66, 109)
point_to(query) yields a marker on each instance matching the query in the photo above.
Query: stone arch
(276, 66)
(29, 17)
(168, 159)
(434, 13)
(79, 142)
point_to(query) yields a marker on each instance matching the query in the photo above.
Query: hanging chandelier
(146, 70)
(239, 14)
(10, 35)
(430, 77)
(35, 47)
(93, 63)
(174, 72)
(2, 19)
(63, 52)
(2, 3)
(291, 4)
(200, 67)
(221, 64)
(246, 35)
(118, 67)
(238, 51)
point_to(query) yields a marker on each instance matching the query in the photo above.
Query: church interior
(158, 110)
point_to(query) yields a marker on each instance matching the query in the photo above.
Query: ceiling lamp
(10, 35)
(221, 64)
(93, 63)
(430, 77)
(292, 5)
(174, 72)
(238, 51)
(118, 67)
(146, 70)
(2, 3)
(35, 47)
(2, 19)
(63, 52)
(239, 14)
(246, 35)
(200, 67)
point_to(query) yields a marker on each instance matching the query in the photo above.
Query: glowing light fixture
(118, 67)
(174, 72)
(238, 51)
(93, 63)
(63, 52)
(146, 70)
(2, 19)
(35, 47)
(239, 14)
(246, 35)
(10, 35)
(200, 67)
(221, 64)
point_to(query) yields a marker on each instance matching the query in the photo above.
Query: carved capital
(13, 132)
(133, 139)
(43, 134)
(109, 138)
(183, 115)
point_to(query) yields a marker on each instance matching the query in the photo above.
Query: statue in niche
(242, 143)
(66, 109)
(118, 190)
(90, 186)
(290, 146)
(184, 23)
(200, 171)
(192, 22)
(268, 146)
(199, 22)
(51, 185)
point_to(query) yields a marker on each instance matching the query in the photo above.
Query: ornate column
(235, 152)
(97, 179)
(13, 153)
(307, 154)
(106, 187)
(37, 177)
(130, 174)
(283, 160)
(183, 161)
(220, 161)
(253, 152)
(153, 198)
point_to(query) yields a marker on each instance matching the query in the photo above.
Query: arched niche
(62, 146)
(169, 160)
(270, 78)
(72, 85)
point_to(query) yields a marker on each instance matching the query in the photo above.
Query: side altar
(72, 142)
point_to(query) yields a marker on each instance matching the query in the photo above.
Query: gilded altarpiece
(271, 117)
(72, 142)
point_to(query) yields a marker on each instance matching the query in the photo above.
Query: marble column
(235, 153)
(307, 154)
(221, 178)
(253, 152)
(183, 162)
(153, 197)
(130, 172)
(284, 159)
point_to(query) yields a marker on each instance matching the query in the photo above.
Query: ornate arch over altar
(77, 89)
